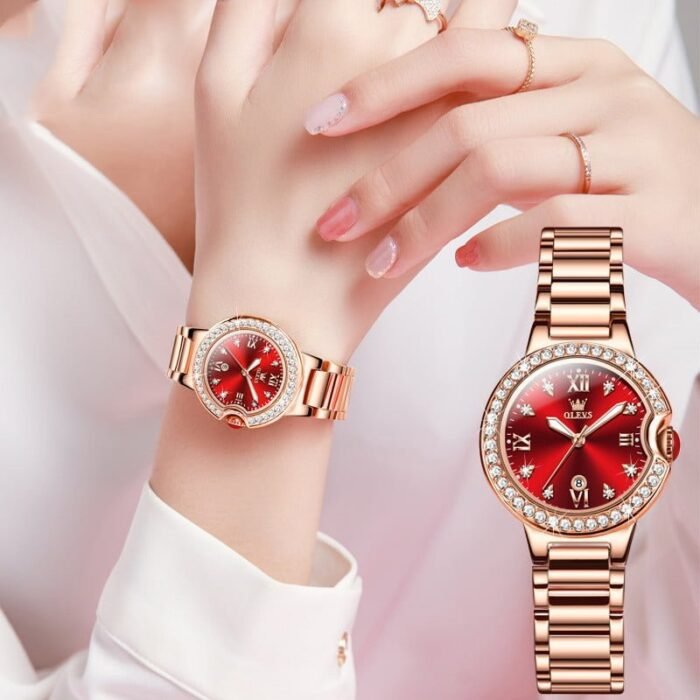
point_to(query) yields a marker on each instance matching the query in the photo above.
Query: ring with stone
(431, 9)
(526, 31)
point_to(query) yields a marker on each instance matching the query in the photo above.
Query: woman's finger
(478, 14)
(391, 189)
(285, 12)
(480, 63)
(515, 241)
(511, 170)
(240, 43)
(80, 48)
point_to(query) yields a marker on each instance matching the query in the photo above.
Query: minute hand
(614, 412)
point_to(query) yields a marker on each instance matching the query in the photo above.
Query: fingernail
(468, 254)
(326, 114)
(382, 258)
(338, 219)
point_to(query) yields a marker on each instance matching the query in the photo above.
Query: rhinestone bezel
(616, 514)
(292, 371)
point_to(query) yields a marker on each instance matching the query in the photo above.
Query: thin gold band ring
(585, 160)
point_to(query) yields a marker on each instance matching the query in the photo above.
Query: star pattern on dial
(608, 387)
(548, 493)
(608, 492)
(548, 387)
(526, 470)
(630, 469)
(526, 409)
(631, 409)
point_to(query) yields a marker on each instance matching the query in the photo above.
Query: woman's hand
(499, 147)
(261, 179)
(121, 93)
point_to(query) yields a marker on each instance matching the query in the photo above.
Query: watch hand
(245, 372)
(614, 412)
(251, 387)
(579, 439)
(558, 427)
(574, 445)
(235, 359)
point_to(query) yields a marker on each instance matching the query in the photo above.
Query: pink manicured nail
(382, 258)
(326, 114)
(338, 219)
(468, 254)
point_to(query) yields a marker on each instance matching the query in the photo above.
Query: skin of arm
(12, 8)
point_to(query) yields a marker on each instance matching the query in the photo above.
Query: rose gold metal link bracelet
(579, 587)
(579, 590)
(327, 391)
(580, 291)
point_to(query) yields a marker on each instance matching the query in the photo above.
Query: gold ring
(527, 31)
(431, 9)
(585, 159)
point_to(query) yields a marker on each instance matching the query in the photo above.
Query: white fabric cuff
(198, 613)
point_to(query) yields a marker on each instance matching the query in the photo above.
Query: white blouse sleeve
(183, 616)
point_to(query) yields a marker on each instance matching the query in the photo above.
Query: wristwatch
(248, 372)
(577, 443)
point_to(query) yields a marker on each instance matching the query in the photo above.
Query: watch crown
(671, 444)
(235, 422)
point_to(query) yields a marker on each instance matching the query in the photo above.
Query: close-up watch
(576, 441)
(248, 372)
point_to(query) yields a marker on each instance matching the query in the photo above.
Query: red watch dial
(573, 435)
(245, 369)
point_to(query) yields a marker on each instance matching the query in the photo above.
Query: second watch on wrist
(576, 441)
(248, 372)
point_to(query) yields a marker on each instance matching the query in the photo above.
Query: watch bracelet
(578, 588)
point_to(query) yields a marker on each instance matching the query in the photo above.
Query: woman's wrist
(274, 281)
(258, 491)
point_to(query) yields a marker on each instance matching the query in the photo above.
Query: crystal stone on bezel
(292, 374)
(615, 514)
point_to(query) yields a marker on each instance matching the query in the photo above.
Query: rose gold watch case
(293, 372)
(619, 514)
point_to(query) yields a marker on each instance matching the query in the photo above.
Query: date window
(578, 483)
(579, 491)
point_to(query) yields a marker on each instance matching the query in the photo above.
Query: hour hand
(558, 427)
